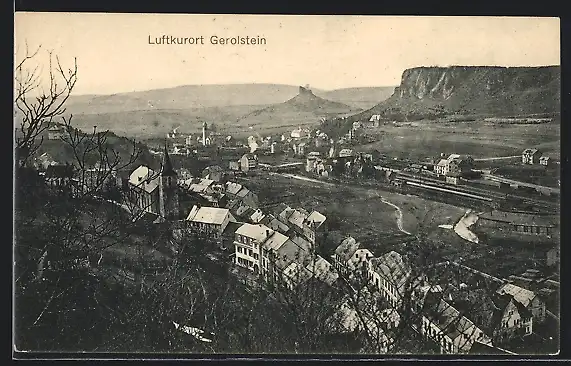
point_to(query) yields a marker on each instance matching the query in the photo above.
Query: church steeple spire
(167, 168)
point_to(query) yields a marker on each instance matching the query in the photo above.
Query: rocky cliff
(438, 91)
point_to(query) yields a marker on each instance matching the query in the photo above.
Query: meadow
(427, 139)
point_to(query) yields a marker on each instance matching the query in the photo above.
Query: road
(398, 210)
(498, 158)
(514, 182)
(293, 176)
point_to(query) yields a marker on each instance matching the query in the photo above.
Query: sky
(114, 53)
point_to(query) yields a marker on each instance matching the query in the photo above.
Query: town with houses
(417, 217)
(474, 313)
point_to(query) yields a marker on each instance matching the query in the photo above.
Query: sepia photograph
(272, 185)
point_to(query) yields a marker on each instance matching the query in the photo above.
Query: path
(399, 216)
(399, 211)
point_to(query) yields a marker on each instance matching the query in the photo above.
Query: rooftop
(317, 218)
(145, 178)
(347, 248)
(442, 162)
(275, 241)
(208, 215)
(294, 250)
(322, 270)
(530, 151)
(257, 232)
(233, 188)
(392, 266)
(275, 223)
(451, 322)
(243, 192)
(345, 153)
(297, 218)
(257, 216)
(520, 294)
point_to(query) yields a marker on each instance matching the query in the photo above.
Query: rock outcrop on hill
(304, 108)
(426, 92)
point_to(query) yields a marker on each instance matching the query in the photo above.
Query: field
(354, 211)
(536, 174)
(421, 140)
(359, 212)
(267, 108)
(157, 123)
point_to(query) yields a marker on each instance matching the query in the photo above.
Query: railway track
(479, 194)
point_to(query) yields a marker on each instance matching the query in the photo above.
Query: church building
(155, 192)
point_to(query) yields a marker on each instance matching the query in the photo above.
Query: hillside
(126, 149)
(428, 92)
(301, 109)
(306, 108)
(183, 97)
(364, 97)
(153, 123)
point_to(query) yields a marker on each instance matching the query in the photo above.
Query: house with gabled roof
(389, 274)
(213, 172)
(323, 270)
(529, 299)
(454, 166)
(57, 131)
(309, 225)
(248, 242)
(500, 317)
(530, 156)
(278, 225)
(450, 330)
(209, 220)
(257, 216)
(269, 254)
(248, 197)
(343, 253)
(236, 191)
(295, 274)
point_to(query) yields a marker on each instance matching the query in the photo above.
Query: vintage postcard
(286, 185)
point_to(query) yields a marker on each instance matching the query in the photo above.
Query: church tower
(168, 190)
(204, 127)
